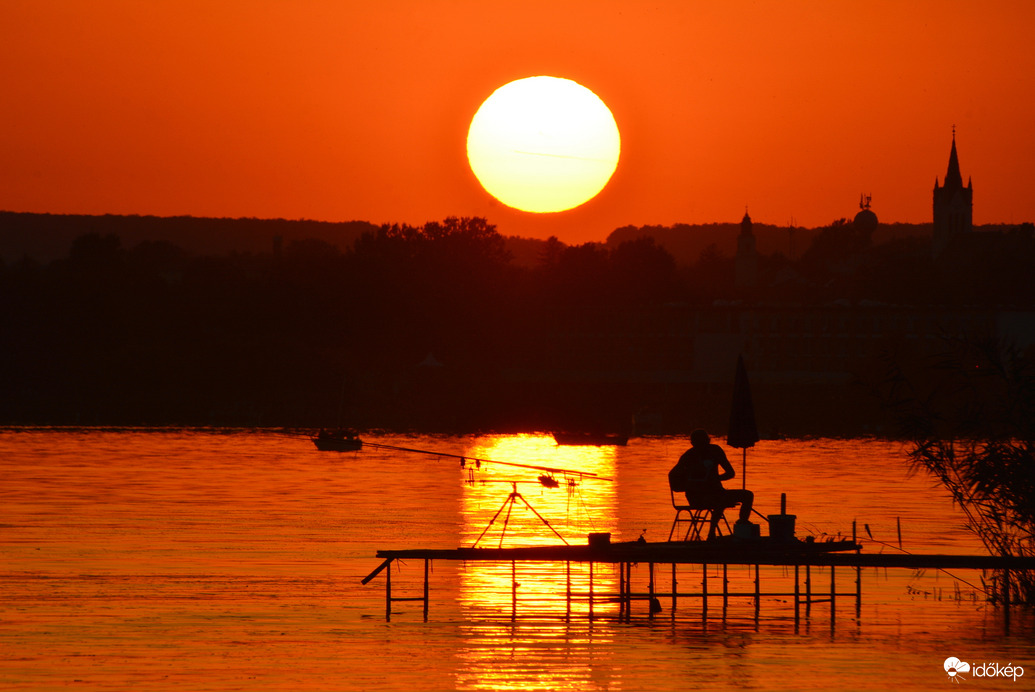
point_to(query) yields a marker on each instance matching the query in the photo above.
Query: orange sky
(338, 110)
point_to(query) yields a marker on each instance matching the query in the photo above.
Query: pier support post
(704, 591)
(858, 579)
(797, 598)
(623, 590)
(833, 594)
(650, 589)
(388, 592)
(513, 589)
(675, 589)
(567, 590)
(725, 589)
(427, 569)
(590, 589)
(808, 590)
(858, 592)
(628, 590)
(758, 594)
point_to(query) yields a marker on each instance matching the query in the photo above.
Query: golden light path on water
(507, 506)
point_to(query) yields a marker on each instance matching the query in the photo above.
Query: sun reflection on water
(524, 655)
(508, 506)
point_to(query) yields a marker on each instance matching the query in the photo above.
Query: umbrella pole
(744, 470)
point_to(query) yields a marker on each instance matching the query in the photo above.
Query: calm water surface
(227, 560)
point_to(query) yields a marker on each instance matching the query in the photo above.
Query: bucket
(599, 540)
(781, 527)
(745, 529)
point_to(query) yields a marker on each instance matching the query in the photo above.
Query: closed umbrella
(743, 432)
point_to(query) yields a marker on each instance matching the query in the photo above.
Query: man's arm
(727, 467)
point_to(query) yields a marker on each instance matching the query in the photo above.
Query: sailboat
(337, 441)
(340, 439)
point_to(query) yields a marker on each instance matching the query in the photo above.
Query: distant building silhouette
(953, 204)
(865, 222)
(746, 266)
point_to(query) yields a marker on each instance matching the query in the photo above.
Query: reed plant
(968, 410)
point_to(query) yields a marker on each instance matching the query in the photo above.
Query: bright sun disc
(543, 144)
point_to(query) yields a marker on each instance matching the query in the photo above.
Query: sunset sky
(338, 110)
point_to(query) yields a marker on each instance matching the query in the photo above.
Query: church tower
(953, 204)
(746, 263)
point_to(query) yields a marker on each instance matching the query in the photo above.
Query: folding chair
(697, 519)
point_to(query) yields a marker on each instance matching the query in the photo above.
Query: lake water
(228, 560)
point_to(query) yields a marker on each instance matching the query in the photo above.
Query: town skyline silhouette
(590, 335)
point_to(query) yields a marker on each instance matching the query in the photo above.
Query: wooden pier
(804, 557)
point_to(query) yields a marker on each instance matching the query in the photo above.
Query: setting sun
(543, 144)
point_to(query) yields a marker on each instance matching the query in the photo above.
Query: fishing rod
(464, 459)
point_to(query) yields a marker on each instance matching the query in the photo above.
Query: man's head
(699, 438)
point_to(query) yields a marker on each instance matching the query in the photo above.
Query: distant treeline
(436, 327)
(46, 237)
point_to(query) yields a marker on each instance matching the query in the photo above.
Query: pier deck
(724, 553)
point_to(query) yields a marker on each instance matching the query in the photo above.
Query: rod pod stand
(508, 504)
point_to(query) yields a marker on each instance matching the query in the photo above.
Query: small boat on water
(337, 441)
(596, 439)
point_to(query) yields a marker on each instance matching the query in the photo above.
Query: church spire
(953, 178)
(953, 204)
(746, 263)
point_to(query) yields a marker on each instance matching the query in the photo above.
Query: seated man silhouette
(700, 472)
